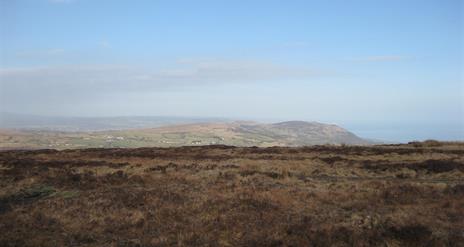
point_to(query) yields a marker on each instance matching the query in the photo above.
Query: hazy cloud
(84, 82)
(62, 1)
(380, 58)
(55, 51)
(104, 44)
(295, 44)
(41, 53)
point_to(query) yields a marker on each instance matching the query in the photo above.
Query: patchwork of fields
(244, 134)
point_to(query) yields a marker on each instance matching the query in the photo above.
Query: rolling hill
(292, 133)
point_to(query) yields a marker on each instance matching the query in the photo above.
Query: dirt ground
(392, 195)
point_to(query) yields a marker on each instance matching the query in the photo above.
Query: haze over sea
(408, 132)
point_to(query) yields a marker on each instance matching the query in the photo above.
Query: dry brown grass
(396, 195)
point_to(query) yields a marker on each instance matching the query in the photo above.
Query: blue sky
(354, 63)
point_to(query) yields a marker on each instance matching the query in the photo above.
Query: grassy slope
(235, 134)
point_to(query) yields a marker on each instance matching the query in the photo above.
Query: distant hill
(293, 133)
(300, 133)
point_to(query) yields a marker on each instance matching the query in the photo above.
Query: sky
(387, 69)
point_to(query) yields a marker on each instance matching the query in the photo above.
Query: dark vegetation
(392, 195)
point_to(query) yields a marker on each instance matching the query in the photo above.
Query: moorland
(385, 195)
